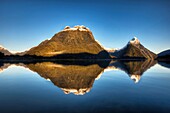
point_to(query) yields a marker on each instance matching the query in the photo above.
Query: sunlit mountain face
(78, 39)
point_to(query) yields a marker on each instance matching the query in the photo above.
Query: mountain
(164, 58)
(4, 51)
(70, 78)
(165, 54)
(134, 69)
(164, 63)
(78, 39)
(134, 49)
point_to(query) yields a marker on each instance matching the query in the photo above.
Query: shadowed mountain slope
(134, 49)
(164, 63)
(164, 55)
(134, 69)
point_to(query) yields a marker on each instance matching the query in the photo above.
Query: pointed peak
(134, 41)
(135, 78)
(80, 91)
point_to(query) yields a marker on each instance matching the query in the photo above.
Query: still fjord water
(55, 88)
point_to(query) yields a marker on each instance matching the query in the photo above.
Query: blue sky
(25, 23)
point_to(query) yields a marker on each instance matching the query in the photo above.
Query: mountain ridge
(134, 49)
(79, 41)
(164, 53)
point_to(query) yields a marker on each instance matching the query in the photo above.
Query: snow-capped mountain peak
(133, 49)
(77, 27)
(134, 41)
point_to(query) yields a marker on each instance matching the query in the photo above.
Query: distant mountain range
(4, 51)
(79, 42)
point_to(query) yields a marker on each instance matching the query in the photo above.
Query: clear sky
(25, 23)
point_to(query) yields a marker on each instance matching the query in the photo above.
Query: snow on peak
(1, 46)
(135, 78)
(80, 91)
(134, 41)
(77, 27)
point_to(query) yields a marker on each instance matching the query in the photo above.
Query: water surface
(73, 87)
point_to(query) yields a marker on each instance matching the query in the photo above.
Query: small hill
(164, 55)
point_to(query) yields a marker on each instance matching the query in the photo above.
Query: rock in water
(78, 39)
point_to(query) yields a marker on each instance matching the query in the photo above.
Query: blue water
(25, 91)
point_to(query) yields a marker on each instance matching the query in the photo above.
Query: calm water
(49, 87)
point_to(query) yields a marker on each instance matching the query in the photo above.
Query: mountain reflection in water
(70, 78)
(134, 69)
(78, 76)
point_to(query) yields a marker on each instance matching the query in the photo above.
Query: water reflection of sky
(159, 69)
(114, 91)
